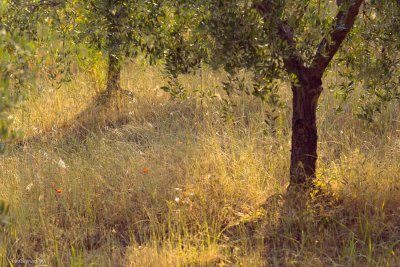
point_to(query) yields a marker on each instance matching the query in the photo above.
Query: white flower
(177, 199)
(61, 164)
(373, 15)
(29, 187)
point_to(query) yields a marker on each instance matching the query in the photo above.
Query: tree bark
(113, 76)
(113, 80)
(304, 135)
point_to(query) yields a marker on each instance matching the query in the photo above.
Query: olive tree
(295, 41)
(116, 28)
(307, 84)
(121, 29)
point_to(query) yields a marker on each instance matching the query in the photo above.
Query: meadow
(157, 181)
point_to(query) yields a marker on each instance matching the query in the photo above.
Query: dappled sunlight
(174, 184)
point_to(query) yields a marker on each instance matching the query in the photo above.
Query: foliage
(373, 58)
(236, 37)
(117, 29)
(16, 68)
(120, 28)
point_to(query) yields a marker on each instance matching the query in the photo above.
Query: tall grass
(163, 182)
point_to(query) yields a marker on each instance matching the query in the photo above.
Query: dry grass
(162, 182)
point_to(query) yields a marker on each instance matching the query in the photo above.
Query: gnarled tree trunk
(304, 135)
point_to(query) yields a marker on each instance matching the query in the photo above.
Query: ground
(155, 181)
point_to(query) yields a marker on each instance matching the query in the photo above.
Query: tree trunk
(113, 47)
(113, 78)
(304, 135)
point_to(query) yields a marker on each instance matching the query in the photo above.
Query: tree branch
(328, 47)
(293, 62)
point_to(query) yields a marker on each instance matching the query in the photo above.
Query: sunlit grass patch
(174, 184)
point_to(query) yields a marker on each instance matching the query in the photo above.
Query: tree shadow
(100, 115)
(326, 229)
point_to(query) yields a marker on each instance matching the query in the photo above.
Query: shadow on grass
(95, 118)
(100, 117)
(325, 230)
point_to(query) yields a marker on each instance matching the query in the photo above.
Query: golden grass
(173, 184)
